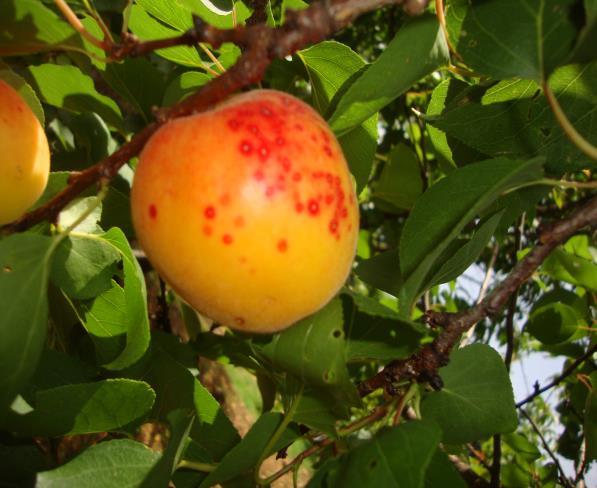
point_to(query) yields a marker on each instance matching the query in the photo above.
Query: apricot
(24, 156)
(248, 211)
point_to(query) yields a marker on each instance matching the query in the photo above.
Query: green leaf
(314, 352)
(506, 39)
(244, 456)
(441, 472)
(55, 369)
(106, 321)
(400, 181)
(27, 26)
(418, 49)
(556, 316)
(25, 91)
(147, 28)
(568, 267)
(135, 294)
(180, 424)
(442, 212)
(331, 67)
(25, 262)
(477, 399)
(177, 388)
(379, 334)
(214, 12)
(397, 457)
(467, 252)
(69, 88)
(382, 271)
(183, 85)
(520, 122)
(139, 82)
(83, 267)
(584, 50)
(128, 461)
(590, 426)
(84, 408)
(20, 463)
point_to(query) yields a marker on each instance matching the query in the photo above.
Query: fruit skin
(24, 156)
(248, 210)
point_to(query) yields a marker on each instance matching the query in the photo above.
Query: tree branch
(262, 45)
(423, 365)
(567, 372)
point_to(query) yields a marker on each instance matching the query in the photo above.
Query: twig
(423, 365)
(567, 372)
(263, 45)
(76, 24)
(575, 137)
(563, 479)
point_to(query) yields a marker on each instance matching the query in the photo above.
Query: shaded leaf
(441, 472)
(507, 38)
(314, 351)
(418, 49)
(590, 426)
(400, 181)
(477, 399)
(184, 85)
(513, 119)
(397, 457)
(129, 463)
(441, 213)
(177, 388)
(382, 271)
(244, 456)
(25, 262)
(84, 408)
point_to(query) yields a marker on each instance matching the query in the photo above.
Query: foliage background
(458, 160)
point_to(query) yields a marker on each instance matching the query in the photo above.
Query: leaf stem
(197, 466)
(575, 137)
(276, 436)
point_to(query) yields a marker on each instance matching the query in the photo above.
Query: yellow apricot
(24, 156)
(248, 211)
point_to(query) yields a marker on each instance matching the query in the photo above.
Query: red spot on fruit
(296, 177)
(334, 226)
(239, 321)
(225, 199)
(329, 199)
(285, 163)
(282, 245)
(269, 191)
(239, 221)
(242, 259)
(254, 129)
(325, 136)
(266, 111)
(313, 207)
(227, 239)
(207, 230)
(209, 212)
(313, 137)
(328, 151)
(328, 178)
(258, 175)
(299, 127)
(344, 212)
(263, 153)
(234, 124)
(153, 211)
(299, 207)
(246, 147)
(280, 141)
